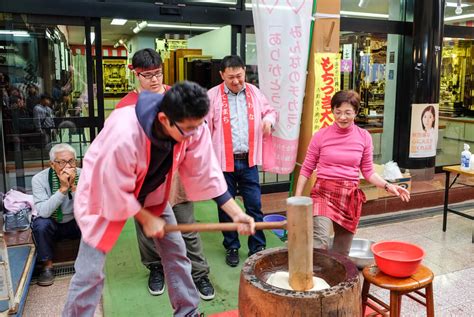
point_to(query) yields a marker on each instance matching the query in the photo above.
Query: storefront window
(459, 13)
(363, 69)
(44, 92)
(456, 109)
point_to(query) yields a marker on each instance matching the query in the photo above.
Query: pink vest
(111, 180)
(263, 153)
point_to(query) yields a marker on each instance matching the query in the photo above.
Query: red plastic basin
(396, 258)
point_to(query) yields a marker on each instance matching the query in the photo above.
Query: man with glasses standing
(53, 192)
(148, 70)
(238, 118)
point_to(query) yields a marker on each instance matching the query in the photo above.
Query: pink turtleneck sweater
(339, 153)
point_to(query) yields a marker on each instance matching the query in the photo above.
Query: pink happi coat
(115, 167)
(262, 111)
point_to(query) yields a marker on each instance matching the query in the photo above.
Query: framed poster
(115, 76)
(424, 130)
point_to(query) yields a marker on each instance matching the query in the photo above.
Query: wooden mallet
(299, 225)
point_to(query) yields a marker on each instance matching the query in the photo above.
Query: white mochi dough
(281, 279)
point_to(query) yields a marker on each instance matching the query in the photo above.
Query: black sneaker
(205, 288)
(258, 249)
(232, 257)
(46, 277)
(156, 281)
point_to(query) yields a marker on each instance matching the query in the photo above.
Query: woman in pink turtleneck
(338, 153)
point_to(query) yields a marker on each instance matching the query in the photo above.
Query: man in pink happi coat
(127, 172)
(239, 118)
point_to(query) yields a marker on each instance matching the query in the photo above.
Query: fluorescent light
(187, 27)
(14, 33)
(364, 14)
(454, 5)
(460, 17)
(118, 21)
(92, 37)
(140, 26)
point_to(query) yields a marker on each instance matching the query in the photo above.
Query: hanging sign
(282, 31)
(424, 130)
(326, 83)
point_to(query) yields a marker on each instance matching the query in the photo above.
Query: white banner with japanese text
(327, 74)
(282, 31)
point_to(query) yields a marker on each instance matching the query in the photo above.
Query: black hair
(232, 61)
(146, 58)
(349, 96)
(433, 112)
(185, 100)
(45, 96)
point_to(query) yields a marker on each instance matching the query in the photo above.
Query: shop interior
(38, 57)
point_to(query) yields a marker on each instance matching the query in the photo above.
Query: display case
(456, 80)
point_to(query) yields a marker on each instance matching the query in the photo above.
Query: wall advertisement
(424, 130)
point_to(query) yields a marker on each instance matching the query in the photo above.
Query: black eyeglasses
(151, 75)
(63, 163)
(185, 134)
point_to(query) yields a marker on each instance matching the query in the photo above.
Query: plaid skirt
(339, 200)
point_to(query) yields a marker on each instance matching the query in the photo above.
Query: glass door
(51, 90)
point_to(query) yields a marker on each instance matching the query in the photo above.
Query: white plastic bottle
(466, 158)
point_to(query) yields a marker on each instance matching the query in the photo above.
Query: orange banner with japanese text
(327, 82)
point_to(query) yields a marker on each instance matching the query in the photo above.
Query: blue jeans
(245, 180)
(46, 231)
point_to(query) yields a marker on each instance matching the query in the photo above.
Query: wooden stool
(423, 278)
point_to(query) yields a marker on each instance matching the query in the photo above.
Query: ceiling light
(118, 21)
(187, 27)
(458, 10)
(14, 33)
(92, 38)
(363, 3)
(364, 14)
(454, 5)
(140, 26)
(459, 17)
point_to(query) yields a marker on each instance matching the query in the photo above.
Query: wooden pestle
(231, 226)
(300, 242)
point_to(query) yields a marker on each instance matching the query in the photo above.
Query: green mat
(126, 291)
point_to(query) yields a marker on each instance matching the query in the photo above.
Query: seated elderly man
(53, 193)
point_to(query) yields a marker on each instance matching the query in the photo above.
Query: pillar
(419, 80)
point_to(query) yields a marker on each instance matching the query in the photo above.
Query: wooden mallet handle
(232, 226)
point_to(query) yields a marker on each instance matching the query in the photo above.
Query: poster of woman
(423, 130)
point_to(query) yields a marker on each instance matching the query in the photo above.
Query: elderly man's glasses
(151, 75)
(63, 163)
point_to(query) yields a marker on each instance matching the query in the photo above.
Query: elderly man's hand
(72, 178)
(246, 223)
(63, 181)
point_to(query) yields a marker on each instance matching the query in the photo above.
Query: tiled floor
(450, 255)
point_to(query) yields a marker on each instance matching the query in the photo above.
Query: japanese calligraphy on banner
(423, 130)
(282, 31)
(327, 72)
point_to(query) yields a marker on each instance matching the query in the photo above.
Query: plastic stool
(423, 278)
